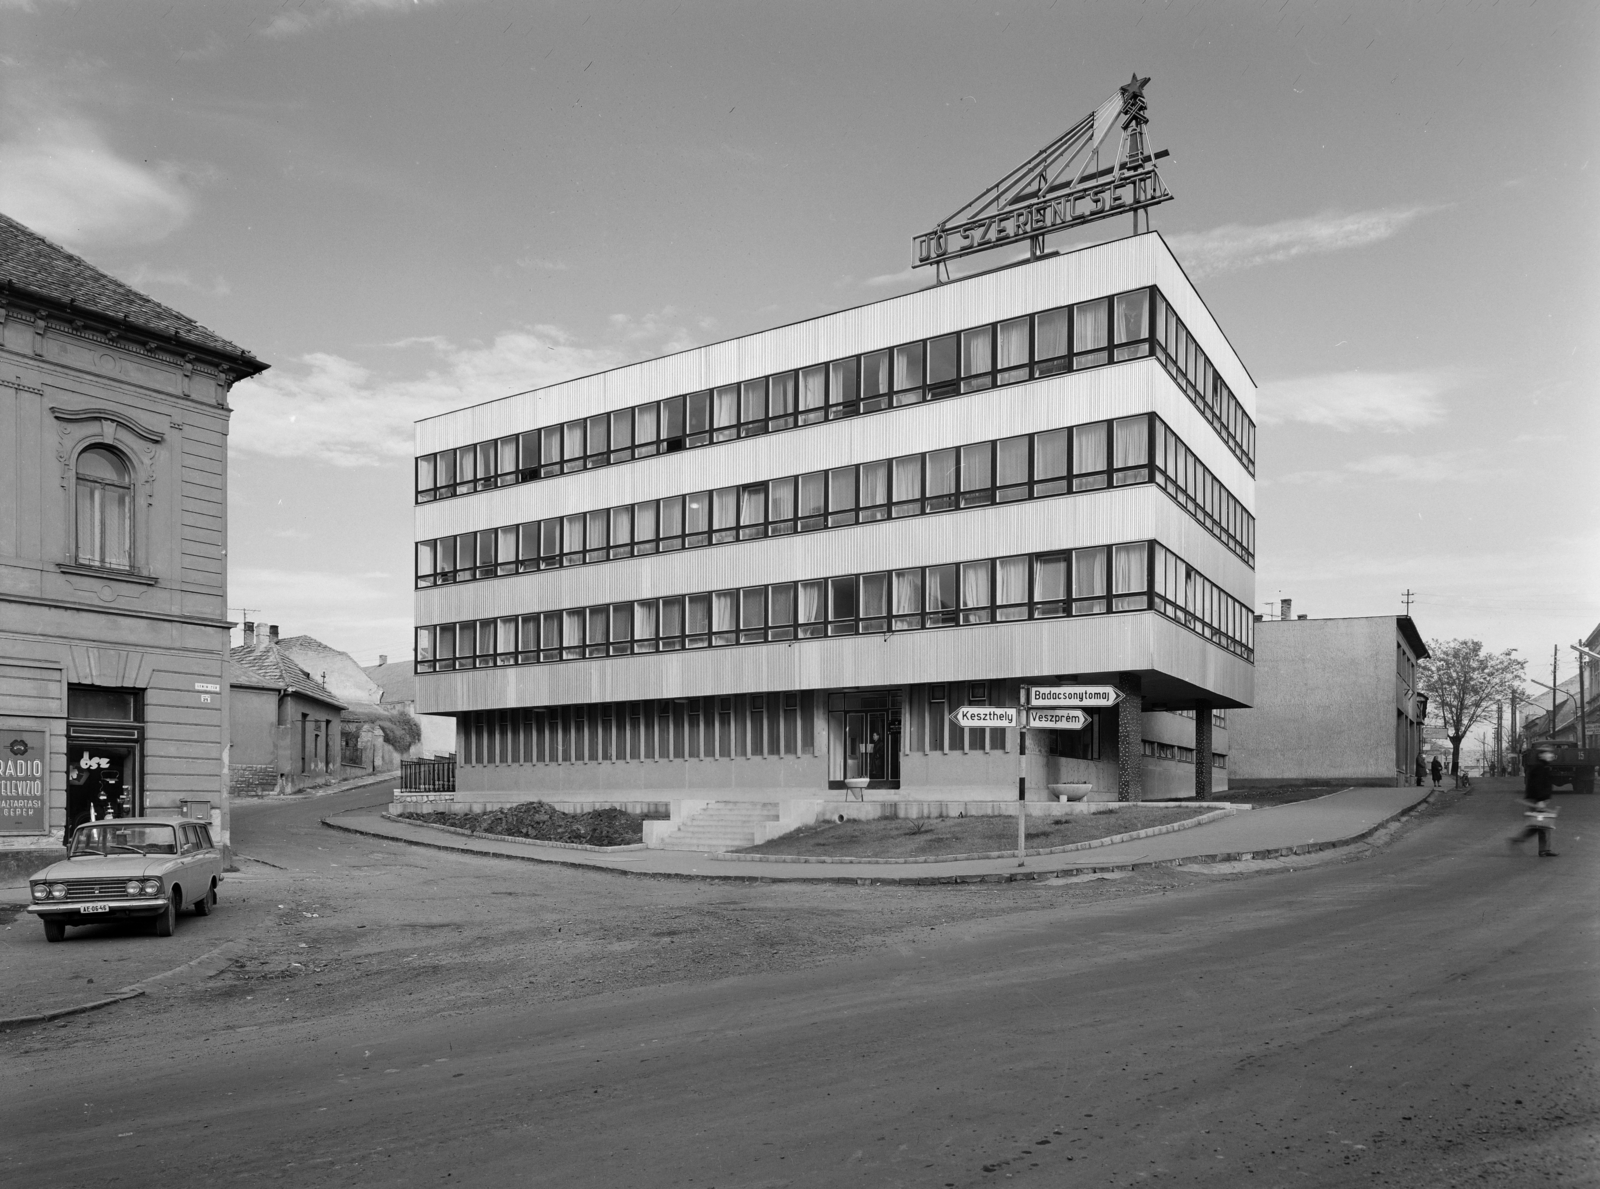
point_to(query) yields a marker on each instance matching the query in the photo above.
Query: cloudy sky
(407, 205)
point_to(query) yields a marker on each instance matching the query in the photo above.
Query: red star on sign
(1134, 87)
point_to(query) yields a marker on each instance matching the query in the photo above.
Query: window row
(1185, 755)
(1070, 338)
(1201, 383)
(776, 724)
(1098, 580)
(1031, 466)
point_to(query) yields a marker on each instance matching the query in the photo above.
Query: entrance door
(872, 745)
(101, 782)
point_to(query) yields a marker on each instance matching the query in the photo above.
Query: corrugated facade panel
(1091, 272)
(1119, 391)
(1071, 521)
(1143, 641)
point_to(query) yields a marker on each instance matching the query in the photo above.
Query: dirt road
(404, 1017)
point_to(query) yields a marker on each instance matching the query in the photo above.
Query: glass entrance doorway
(864, 738)
(105, 734)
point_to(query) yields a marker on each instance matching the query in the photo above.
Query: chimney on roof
(1285, 610)
(249, 633)
(1302, 617)
(272, 634)
(383, 658)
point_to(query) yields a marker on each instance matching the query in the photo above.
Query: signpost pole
(1022, 788)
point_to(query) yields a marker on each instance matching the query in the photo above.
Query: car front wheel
(204, 905)
(168, 920)
(54, 930)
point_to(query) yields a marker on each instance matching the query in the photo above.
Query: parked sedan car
(129, 867)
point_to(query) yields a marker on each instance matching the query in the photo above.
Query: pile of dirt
(545, 823)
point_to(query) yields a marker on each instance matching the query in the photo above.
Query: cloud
(360, 612)
(338, 411)
(315, 15)
(144, 276)
(1234, 246)
(1391, 402)
(60, 177)
(542, 264)
(1429, 467)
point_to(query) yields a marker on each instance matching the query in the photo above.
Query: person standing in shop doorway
(1422, 769)
(1438, 771)
(1541, 819)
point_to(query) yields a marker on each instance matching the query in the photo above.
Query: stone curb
(1109, 840)
(225, 951)
(1304, 848)
(605, 850)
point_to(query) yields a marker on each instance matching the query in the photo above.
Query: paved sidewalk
(1338, 819)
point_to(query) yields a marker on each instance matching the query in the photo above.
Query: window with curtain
(1088, 581)
(842, 496)
(781, 400)
(1088, 328)
(724, 613)
(941, 479)
(1011, 588)
(841, 606)
(813, 393)
(943, 595)
(753, 510)
(874, 494)
(908, 485)
(1011, 350)
(696, 620)
(907, 599)
(811, 596)
(1050, 584)
(908, 367)
(977, 474)
(874, 379)
(842, 388)
(780, 497)
(104, 495)
(752, 614)
(1089, 456)
(874, 604)
(1052, 461)
(977, 359)
(975, 592)
(782, 611)
(725, 412)
(1131, 449)
(1011, 469)
(1051, 338)
(1130, 576)
(753, 402)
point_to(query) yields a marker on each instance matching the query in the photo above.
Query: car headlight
(133, 887)
(58, 891)
(41, 891)
(152, 887)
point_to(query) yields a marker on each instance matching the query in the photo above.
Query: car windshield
(109, 838)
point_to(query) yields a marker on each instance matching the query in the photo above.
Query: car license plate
(94, 908)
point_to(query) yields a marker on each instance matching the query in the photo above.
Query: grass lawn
(910, 838)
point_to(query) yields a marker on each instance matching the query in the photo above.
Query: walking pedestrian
(1438, 771)
(1422, 769)
(1541, 819)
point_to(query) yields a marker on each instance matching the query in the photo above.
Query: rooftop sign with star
(1100, 167)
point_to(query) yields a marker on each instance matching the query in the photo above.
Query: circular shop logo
(18, 747)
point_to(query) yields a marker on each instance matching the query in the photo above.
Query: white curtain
(1132, 444)
(1050, 334)
(1089, 326)
(1088, 573)
(1128, 573)
(1012, 348)
(907, 592)
(1011, 580)
(810, 602)
(975, 584)
(1089, 448)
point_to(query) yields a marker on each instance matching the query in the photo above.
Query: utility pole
(1500, 740)
(1583, 705)
(1555, 658)
(1516, 742)
(1408, 596)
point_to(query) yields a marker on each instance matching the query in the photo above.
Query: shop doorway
(105, 743)
(864, 738)
(102, 782)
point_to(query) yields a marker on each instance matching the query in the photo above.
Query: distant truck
(1549, 763)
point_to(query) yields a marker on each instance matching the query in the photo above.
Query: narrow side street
(1423, 1016)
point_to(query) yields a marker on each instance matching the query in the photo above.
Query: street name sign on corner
(1057, 720)
(985, 716)
(1079, 696)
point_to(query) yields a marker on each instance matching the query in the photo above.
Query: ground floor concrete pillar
(1202, 751)
(1130, 738)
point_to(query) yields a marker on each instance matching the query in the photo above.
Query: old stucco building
(113, 540)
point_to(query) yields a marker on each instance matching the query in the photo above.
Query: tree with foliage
(1463, 682)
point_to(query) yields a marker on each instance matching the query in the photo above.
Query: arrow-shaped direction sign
(1091, 696)
(985, 716)
(1057, 720)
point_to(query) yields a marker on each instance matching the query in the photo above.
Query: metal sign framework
(1062, 186)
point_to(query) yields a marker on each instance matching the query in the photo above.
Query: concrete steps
(722, 825)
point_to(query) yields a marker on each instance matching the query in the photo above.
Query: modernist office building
(758, 568)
